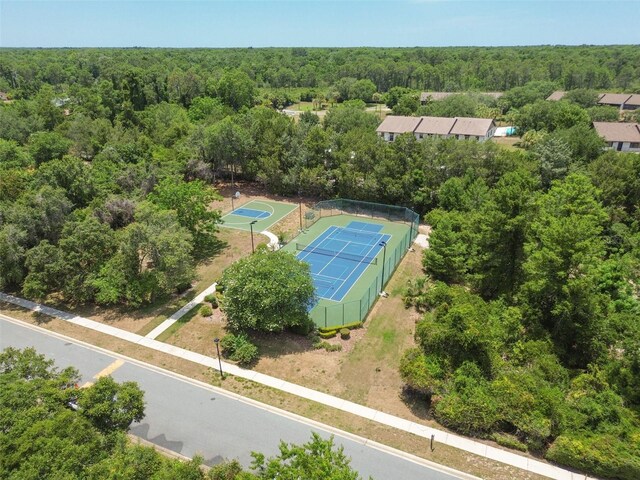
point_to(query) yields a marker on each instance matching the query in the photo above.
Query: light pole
(217, 342)
(253, 250)
(300, 205)
(233, 208)
(383, 244)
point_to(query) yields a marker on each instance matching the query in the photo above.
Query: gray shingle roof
(618, 132)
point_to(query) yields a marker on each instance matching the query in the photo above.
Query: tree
(69, 174)
(563, 249)
(224, 145)
(501, 229)
(43, 438)
(40, 214)
(267, 291)
(45, 146)
(190, 201)
(554, 157)
(549, 116)
(314, 460)
(111, 406)
(362, 90)
(447, 257)
(12, 253)
(70, 267)
(236, 89)
(153, 259)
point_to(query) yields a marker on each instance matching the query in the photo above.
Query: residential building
(623, 101)
(557, 95)
(394, 125)
(462, 128)
(622, 137)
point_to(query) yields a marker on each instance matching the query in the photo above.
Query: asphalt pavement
(190, 417)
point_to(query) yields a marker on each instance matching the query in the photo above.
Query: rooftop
(398, 124)
(618, 132)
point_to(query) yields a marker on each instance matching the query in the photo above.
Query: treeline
(151, 76)
(107, 203)
(531, 326)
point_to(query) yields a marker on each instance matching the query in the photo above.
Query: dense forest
(531, 327)
(157, 75)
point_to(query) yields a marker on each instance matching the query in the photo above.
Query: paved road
(190, 417)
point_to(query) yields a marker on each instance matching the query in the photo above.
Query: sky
(309, 23)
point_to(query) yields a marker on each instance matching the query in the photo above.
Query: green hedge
(350, 326)
(328, 334)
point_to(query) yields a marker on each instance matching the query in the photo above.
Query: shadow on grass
(417, 402)
(216, 247)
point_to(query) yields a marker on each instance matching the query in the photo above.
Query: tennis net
(338, 254)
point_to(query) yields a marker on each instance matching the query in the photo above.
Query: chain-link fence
(357, 310)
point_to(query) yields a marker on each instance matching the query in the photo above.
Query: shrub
(345, 333)
(211, 298)
(603, 455)
(350, 326)
(206, 311)
(328, 334)
(220, 288)
(245, 353)
(327, 346)
(238, 348)
(509, 441)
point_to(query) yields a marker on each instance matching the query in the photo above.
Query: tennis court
(264, 213)
(353, 248)
(340, 255)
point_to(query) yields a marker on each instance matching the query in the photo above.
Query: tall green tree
(267, 291)
(563, 250)
(190, 201)
(153, 259)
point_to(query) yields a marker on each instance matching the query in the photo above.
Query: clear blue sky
(264, 23)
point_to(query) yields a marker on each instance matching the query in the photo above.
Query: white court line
(361, 273)
(317, 246)
(231, 224)
(334, 257)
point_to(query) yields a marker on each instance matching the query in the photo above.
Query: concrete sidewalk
(153, 334)
(439, 436)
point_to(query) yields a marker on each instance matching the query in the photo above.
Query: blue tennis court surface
(251, 213)
(340, 255)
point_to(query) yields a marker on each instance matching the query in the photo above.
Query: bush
(238, 348)
(220, 288)
(327, 334)
(602, 455)
(509, 441)
(211, 298)
(206, 311)
(350, 326)
(345, 333)
(327, 346)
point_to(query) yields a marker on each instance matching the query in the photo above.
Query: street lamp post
(217, 342)
(253, 250)
(383, 244)
(232, 207)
